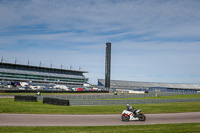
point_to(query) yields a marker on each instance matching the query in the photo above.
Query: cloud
(151, 40)
(139, 17)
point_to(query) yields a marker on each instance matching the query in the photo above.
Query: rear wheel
(142, 117)
(125, 117)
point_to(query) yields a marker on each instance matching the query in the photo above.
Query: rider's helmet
(127, 106)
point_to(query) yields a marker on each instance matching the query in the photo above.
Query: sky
(152, 40)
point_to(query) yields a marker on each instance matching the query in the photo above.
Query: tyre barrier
(55, 101)
(25, 98)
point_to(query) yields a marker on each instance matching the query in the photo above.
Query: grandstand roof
(138, 84)
(40, 68)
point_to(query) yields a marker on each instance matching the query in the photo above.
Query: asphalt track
(93, 120)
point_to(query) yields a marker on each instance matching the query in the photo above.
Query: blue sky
(152, 40)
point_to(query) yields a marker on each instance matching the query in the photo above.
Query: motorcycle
(129, 116)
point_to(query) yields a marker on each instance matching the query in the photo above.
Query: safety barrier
(25, 98)
(108, 96)
(101, 99)
(124, 102)
(56, 101)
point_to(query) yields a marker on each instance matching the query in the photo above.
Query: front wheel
(142, 117)
(125, 117)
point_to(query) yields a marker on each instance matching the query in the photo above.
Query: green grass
(8, 105)
(192, 96)
(157, 128)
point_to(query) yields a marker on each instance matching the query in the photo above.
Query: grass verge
(8, 105)
(157, 128)
(191, 96)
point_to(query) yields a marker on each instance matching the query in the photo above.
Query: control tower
(108, 65)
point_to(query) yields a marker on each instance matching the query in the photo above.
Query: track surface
(93, 120)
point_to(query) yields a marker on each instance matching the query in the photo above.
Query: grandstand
(42, 75)
(151, 86)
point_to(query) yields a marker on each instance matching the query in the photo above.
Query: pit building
(151, 86)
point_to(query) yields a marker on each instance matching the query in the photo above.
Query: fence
(98, 99)
(86, 97)
(124, 102)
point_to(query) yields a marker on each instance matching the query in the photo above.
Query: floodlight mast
(108, 66)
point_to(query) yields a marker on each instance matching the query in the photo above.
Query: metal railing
(76, 100)
(109, 96)
(124, 102)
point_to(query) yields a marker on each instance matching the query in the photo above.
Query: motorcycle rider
(130, 108)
